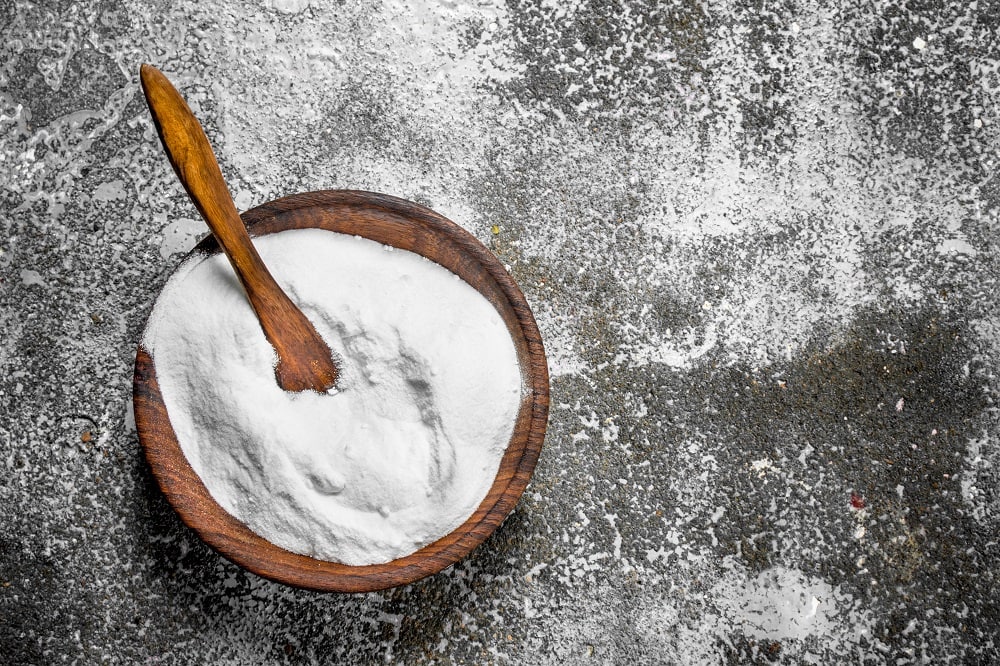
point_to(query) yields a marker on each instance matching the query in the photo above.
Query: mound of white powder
(399, 455)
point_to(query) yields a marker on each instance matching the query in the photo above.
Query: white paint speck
(181, 235)
(129, 416)
(806, 451)
(899, 405)
(919, 44)
(30, 277)
(288, 6)
(110, 191)
(243, 199)
(956, 246)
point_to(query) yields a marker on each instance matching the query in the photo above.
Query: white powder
(399, 456)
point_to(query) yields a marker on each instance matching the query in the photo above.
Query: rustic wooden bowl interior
(407, 226)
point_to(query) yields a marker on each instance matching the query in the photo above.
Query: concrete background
(760, 239)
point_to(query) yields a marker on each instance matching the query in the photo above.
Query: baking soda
(398, 455)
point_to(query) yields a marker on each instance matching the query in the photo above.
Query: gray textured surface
(761, 241)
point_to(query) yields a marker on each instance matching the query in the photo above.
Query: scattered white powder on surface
(399, 456)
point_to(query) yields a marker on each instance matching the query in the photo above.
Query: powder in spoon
(399, 455)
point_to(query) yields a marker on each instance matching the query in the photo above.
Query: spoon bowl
(407, 226)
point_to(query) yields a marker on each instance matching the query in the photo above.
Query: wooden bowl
(407, 226)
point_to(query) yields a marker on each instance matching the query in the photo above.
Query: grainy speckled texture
(761, 240)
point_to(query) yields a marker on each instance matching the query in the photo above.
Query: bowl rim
(406, 225)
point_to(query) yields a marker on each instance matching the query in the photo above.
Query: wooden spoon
(304, 359)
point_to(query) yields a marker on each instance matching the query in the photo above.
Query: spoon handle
(194, 162)
(304, 360)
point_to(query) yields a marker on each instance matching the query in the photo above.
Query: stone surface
(761, 242)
